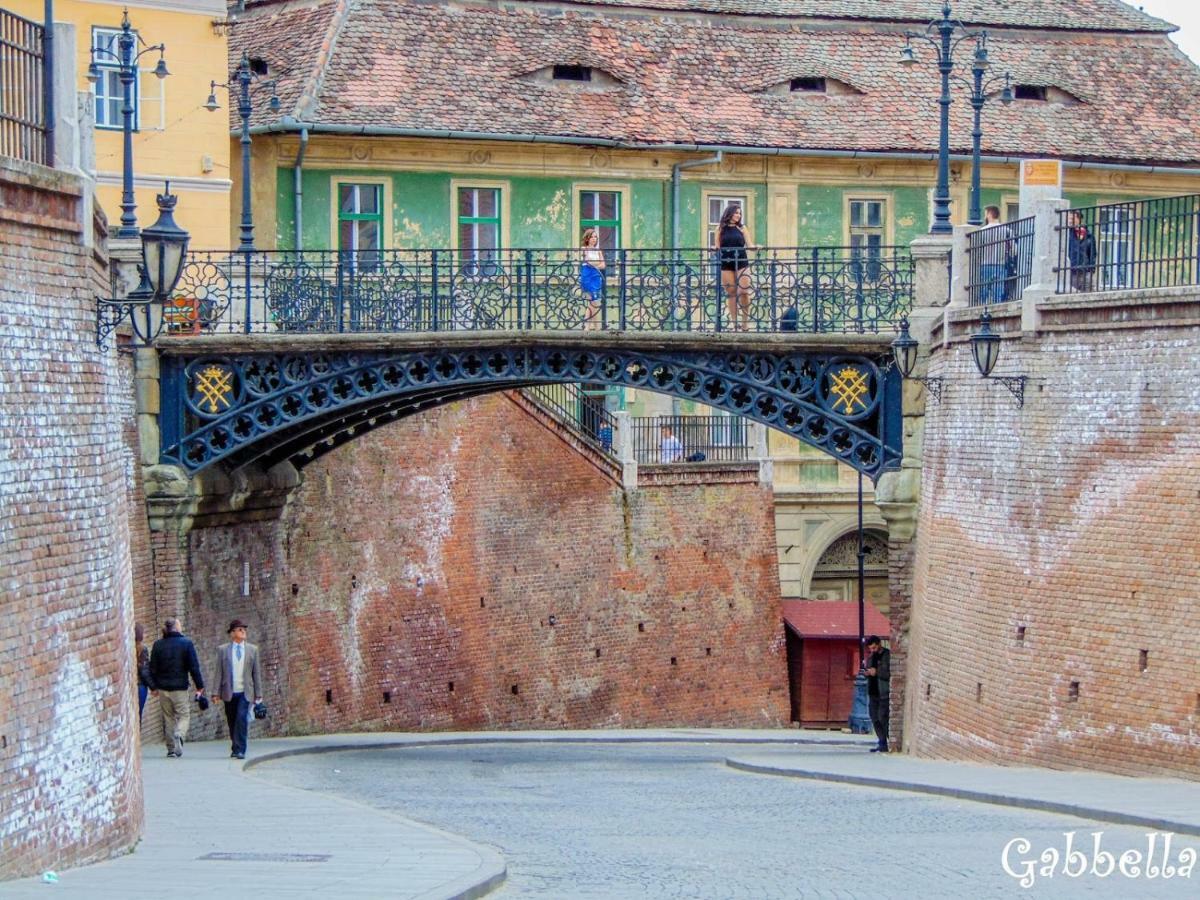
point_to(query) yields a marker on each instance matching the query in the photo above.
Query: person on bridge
(669, 448)
(240, 679)
(172, 660)
(735, 279)
(998, 248)
(1081, 252)
(879, 689)
(591, 277)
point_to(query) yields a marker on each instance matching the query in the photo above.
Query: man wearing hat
(240, 680)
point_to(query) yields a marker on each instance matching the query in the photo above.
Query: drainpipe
(298, 187)
(675, 179)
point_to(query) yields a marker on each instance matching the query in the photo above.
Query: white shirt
(239, 668)
(670, 450)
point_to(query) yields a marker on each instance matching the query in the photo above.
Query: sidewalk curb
(1083, 812)
(470, 740)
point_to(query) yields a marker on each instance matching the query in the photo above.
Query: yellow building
(176, 138)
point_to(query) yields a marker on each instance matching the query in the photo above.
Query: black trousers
(879, 718)
(235, 715)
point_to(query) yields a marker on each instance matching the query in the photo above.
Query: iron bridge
(255, 400)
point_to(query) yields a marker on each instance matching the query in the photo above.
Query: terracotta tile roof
(464, 67)
(1100, 15)
(832, 619)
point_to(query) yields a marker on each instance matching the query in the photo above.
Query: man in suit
(240, 680)
(879, 689)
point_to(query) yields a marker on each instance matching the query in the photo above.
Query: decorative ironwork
(1015, 385)
(807, 289)
(234, 410)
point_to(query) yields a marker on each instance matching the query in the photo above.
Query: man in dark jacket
(172, 660)
(879, 689)
(1081, 253)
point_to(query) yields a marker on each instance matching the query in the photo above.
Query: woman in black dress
(735, 279)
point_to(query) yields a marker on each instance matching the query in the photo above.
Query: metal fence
(1123, 246)
(683, 439)
(999, 262)
(25, 90)
(814, 290)
(579, 408)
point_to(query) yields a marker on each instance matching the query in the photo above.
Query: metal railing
(25, 90)
(1000, 262)
(1125, 246)
(683, 439)
(584, 412)
(814, 290)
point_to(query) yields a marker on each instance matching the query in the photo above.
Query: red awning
(832, 619)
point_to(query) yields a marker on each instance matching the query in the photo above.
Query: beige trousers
(176, 710)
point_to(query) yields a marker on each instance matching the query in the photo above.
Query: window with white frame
(110, 94)
(360, 224)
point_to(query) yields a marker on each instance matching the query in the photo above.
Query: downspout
(298, 188)
(675, 182)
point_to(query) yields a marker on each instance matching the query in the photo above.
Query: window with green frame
(602, 210)
(478, 228)
(360, 224)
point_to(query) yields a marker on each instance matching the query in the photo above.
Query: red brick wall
(1075, 519)
(69, 770)
(434, 552)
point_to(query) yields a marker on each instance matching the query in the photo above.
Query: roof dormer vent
(572, 73)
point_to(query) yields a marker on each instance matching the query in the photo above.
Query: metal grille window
(716, 206)
(110, 95)
(602, 210)
(479, 223)
(360, 223)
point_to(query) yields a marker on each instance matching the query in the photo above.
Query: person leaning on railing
(733, 244)
(1081, 253)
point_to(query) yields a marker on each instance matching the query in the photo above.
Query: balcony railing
(583, 411)
(1129, 246)
(1000, 259)
(684, 439)
(25, 101)
(813, 290)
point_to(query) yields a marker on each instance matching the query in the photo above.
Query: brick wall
(467, 568)
(69, 770)
(1058, 541)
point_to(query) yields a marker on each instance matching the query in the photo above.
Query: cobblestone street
(672, 821)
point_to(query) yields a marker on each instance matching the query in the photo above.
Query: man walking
(172, 660)
(240, 680)
(879, 689)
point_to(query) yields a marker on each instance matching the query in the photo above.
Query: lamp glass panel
(172, 264)
(152, 253)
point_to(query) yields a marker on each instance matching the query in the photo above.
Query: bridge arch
(233, 408)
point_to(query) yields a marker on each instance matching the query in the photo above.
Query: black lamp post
(979, 89)
(904, 350)
(164, 252)
(940, 33)
(985, 349)
(126, 57)
(241, 81)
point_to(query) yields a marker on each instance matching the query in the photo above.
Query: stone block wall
(1056, 579)
(467, 568)
(69, 770)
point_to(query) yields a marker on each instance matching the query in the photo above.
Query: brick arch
(234, 409)
(832, 532)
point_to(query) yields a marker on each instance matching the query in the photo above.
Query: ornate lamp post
(126, 57)
(941, 34)
(979, 89)
(985, 349)
(241, 81)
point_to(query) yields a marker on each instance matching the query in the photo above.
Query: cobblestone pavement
(672, 821)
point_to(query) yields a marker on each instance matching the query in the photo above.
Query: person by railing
(591, 277)
(1081, 253)
(581, 409)
(1000, 259)
(732, 243)
(665, 440)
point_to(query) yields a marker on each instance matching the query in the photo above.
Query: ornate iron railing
(582, 410)
(816, 289)
(25, 126)
(689, 439)
(1000, 262)
(1124, 246)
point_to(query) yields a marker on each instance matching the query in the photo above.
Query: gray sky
(1185, 14)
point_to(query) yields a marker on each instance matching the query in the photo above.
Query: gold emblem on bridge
(214, 389)
(850, 386)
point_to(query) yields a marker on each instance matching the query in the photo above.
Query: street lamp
(979, 89)
(164, 253)
(126, 59)
(241, 81)
(985, 349)
(904, 350)
(945, 43)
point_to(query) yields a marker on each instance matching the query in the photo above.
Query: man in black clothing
(879, 689)
(172, 660)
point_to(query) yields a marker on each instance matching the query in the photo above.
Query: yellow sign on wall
(1042, 172)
